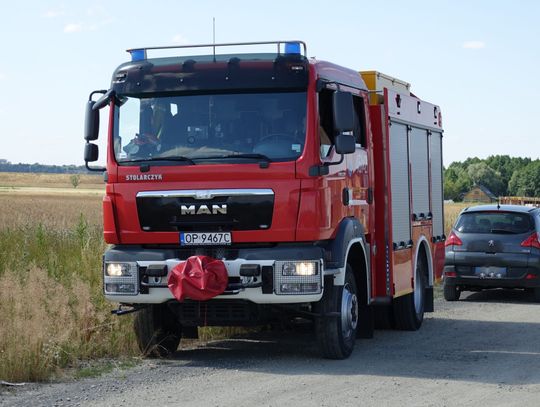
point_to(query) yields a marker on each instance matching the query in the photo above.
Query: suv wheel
(451, 292)
(537, 294)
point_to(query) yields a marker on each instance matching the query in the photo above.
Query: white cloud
(73, 28)
(179, 39)
(53, 13)
(474, 44)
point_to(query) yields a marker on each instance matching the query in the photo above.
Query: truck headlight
(304, 268)
(297, 277)
(118, 269)
(121, 278)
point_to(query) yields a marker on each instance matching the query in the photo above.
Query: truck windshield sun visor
(202, 74)
(231, 127)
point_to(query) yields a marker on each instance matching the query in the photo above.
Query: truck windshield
(213, 127)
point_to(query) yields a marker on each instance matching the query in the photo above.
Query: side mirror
(91, 127)
(91, 152)
(343, 112)
(91, 122)
(345, 144)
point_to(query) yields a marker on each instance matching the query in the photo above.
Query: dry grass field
(16, 180)
(52, 311)
(451, 212)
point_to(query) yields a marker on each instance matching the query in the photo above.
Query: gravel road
(483, 350)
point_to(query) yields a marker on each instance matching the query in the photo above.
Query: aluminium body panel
(413, 111)
(437, 211)
(399, 184)
(419, 159)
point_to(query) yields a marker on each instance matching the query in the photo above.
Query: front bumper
(154, 290)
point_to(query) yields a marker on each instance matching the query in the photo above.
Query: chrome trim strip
(203, 193)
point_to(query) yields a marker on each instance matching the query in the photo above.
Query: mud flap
(428, 300)
(366, 322)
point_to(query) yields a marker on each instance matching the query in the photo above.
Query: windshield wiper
(240, 155)
(262, 164)
(149, 159)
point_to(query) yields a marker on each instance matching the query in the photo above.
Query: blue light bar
(138, 54)
(292, 48)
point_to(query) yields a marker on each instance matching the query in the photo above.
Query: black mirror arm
(105, 99)
(319, 170)
(101, 92)
(95, 169)
(342, 157)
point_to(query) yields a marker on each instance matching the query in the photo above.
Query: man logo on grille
(491, 243)
(203, 209)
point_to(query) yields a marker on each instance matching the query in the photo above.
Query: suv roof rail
(289, 47)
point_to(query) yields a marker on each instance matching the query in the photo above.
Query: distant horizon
(8, 162)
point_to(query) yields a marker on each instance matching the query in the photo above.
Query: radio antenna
(214, 36)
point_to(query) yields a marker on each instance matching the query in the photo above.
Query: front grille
(183, 213)
(216, 312)
(228, 253)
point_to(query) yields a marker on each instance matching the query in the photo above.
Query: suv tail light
(453, 240)
(531, 241)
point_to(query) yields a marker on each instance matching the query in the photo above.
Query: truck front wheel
(338, 318)
(157, 330)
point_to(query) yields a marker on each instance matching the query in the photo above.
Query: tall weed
(52, 311)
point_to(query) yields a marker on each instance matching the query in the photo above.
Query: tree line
(501, 174)
(7, 166)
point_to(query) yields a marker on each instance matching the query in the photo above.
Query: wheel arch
(357, 258)
(423, 248)
(348, 246)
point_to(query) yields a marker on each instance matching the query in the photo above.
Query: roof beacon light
(292, 48)
(137, 54)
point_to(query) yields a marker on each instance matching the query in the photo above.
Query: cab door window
(359, 130)
(326, 122)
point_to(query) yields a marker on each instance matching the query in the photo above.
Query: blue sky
(479, 60)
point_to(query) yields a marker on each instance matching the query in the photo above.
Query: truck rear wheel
(157, 330)
(409, 309)
(336, 327)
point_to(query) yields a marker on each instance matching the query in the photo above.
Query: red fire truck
(249, 188)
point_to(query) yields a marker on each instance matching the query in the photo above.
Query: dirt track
(483, 350)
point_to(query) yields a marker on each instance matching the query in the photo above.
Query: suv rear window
(495, 222)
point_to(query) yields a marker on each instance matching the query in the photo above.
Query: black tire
(336, 334)
(157, 330)
(451, 292)
(537, 294)
(384, 317)
(409, 309)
